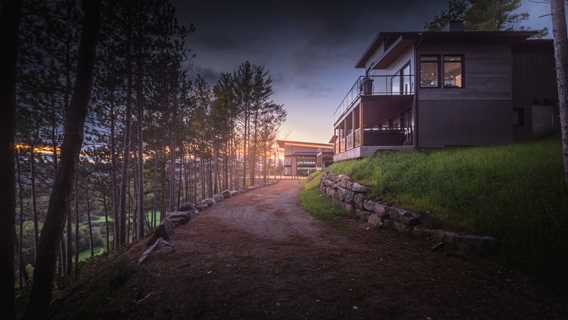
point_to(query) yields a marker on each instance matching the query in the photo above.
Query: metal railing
(383, 85)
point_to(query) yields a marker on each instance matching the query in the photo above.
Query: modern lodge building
(452, 88)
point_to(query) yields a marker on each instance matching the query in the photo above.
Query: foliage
(482, 15)
(514, 192)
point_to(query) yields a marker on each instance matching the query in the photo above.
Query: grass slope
(513, 192)
(316, 204)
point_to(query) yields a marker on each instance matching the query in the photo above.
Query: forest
(156, 136)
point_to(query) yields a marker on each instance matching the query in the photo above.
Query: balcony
(375, 114)
(382, 85)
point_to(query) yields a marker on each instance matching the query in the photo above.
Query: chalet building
(452, 88)
(303, 158)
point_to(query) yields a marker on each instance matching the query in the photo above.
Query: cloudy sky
(310, 47)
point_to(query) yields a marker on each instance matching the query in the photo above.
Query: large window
(429, 72)
(453, 71)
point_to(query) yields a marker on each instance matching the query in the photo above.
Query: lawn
(515, 193)
(316, 204)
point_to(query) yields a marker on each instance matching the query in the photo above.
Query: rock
(374, 220)
(358, 200)
(218, 197)
(348, 197)
(345, 182)
(363, 215)
(234, 192)
(188, 206)
(403, 216)
(158, 246)
(202, 206)
(165, 230)
(179, 217)
(226, 194)
(340, 194)
(375, 207)
(208, 201)
(356, 187)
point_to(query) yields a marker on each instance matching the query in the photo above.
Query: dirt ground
(259, 255)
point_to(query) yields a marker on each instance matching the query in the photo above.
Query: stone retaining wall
(354, 198)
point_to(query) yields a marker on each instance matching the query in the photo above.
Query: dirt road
(260, 256)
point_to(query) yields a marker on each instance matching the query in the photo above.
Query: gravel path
(260, 256)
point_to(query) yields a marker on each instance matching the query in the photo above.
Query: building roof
(480, 36)
(283, 143)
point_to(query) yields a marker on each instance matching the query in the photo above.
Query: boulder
(407, 217)
(226, 194)
(348, 196)
(339, 194)
(165, 230)
(357, 187)
(188, 206)
(178, 217)
(363, 215)
(345, 182)
(374, 220)
(358, 200)
(375, 207)
(208, 201)
(218, 197)
(234, 192)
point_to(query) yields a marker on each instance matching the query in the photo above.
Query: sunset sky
(310, 47)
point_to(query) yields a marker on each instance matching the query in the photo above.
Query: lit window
(429, 72)
(453, 72)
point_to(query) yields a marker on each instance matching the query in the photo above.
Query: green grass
(86, 254)
(514, 192)
(316, 204)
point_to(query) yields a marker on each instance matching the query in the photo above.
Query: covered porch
(374, 122)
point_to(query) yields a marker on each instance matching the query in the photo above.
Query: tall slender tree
(73, 139)
(9, 25)
(561, 60)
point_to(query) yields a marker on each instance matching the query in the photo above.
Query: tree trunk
(9, 24)
(114, 180)
(123, 237)
(34, 201)
(140, 166)
(73, 139)
(77, 248)
(561, 58)
(105, 208)
(254, 150)
(21, 224)
(90, 225)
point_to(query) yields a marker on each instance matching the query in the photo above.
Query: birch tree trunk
(73, 139)
(561, 58)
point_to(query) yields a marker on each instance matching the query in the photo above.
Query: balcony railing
(375, 86)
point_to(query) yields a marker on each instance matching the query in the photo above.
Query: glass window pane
(453, 72)
(428, 72)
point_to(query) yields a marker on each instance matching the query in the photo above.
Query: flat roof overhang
(467, 36)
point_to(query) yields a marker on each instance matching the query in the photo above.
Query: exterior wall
(481, 112)
(464, 122)
(534, 88)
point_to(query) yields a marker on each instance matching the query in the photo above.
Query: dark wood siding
(488, 71)
(534, 80)
(478, 114)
